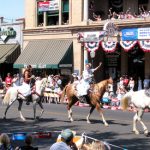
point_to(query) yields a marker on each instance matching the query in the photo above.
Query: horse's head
(109, 86)
(110, 80)
(41, 84)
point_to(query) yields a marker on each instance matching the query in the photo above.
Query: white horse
(140, 101)
(12, 95)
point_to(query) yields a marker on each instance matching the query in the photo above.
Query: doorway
(136, 63)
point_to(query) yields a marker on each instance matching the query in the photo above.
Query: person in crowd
(146, 82)
(28, 144)
(5, 143)
(1, 83)
(8, 80)
(66, 142)
(87, 76)
(131, 84)
(16, 80)
(120, 92)
(139, 84)
(125, 81)
(96, 145)
(97, 17)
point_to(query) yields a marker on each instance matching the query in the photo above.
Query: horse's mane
(103, 83)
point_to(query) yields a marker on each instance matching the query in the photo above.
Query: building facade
(52, 34)
(11, 44)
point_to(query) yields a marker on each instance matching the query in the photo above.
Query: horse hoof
(106, 125)
(147, 134)
(136, 132)
(4, 118)
(37, 118)
(89, 122)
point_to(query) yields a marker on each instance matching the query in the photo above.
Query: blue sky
(12, 9)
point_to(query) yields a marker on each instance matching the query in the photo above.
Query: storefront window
(65, 11)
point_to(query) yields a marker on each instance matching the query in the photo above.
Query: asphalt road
(55, 118)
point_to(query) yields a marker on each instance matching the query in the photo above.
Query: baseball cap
(67, 135)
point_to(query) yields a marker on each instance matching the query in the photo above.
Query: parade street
(55, 118)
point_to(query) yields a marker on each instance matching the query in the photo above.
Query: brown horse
(93, 98)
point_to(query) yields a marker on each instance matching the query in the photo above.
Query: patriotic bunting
(109, 46)
(145, 45)
(91, 46)
(127, 45)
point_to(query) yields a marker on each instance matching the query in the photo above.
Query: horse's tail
(125, 101)
(9, 96)
(63, 94)
(6, 98)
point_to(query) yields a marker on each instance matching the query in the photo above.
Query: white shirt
(87, 75)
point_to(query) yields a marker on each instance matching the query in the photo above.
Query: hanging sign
(96, 36)
(143, 33)
(7, 33)
(109, 46)
(145, 45)
(129, 34)
(127, 45)
(52, 5)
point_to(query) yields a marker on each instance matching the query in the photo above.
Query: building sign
(52, 5)
(86, 37)
(129, 34)
(110, 28)
(7, 33)
(143, 33)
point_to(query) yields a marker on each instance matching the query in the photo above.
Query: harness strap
(36, 93)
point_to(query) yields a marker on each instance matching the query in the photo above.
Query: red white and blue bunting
(145, 45)
(109, 46)
(127, 45)
(91, 46)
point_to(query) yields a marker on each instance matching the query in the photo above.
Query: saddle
(147, 92)
(20, 96)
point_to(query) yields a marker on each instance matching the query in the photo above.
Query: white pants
(83, 88)
(24, 89)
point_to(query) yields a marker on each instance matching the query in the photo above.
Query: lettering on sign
(7, 33)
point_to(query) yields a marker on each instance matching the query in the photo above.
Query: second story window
(50, 12)
(65, 11)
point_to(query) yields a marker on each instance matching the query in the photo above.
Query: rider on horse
(25, 89)
(87, 76)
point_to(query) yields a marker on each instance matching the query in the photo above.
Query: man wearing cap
(66, 141)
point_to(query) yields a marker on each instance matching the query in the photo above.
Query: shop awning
(46, 54)
(9, 53)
